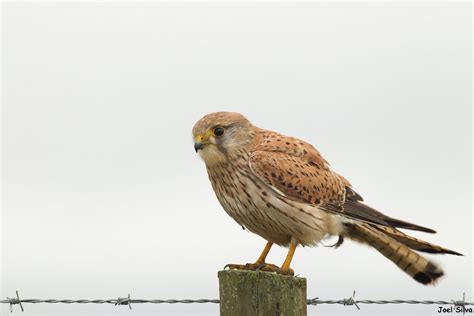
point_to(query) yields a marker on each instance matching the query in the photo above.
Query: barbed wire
(314, 301)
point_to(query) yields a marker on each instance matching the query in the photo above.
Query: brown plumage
(282, 189)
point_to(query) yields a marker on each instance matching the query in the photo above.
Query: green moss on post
(260, 294)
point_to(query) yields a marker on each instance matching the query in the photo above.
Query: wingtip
(406, 225)
(429, 230)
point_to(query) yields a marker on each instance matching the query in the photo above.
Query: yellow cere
(201, 138)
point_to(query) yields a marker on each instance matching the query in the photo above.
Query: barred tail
(415, 265)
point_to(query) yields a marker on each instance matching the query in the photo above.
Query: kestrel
(282, 189)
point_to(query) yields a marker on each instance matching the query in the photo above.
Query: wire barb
(312, 301)
(461, 303)
(124, 301)
(14, 301)
(351, 301)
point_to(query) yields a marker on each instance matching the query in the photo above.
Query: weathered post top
(260, 294)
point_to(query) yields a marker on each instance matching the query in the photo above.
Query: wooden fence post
(261, 294)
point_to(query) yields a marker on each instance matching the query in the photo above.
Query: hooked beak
(199, 142)
(198, 146)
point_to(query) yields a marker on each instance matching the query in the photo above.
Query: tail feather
(415, 265)
(414, 243)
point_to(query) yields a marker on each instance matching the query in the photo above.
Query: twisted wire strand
(313, 301)
(110, 301)
(425, 302)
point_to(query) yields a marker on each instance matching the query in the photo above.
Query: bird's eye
(218, 131)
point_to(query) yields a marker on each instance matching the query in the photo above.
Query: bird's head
(220, 134)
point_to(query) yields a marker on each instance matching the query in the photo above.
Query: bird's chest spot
(226, 188)
(251, 201)
(236, 194)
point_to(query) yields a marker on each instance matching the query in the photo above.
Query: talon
(289, 272)
(260, 266)
(268, 267)
(232, 266)
(247, 266)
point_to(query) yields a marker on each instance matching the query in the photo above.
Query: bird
(282, 189)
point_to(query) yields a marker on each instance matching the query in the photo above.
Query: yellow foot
(265, 267)
(273, 268)
(247, 266)
(287, 272)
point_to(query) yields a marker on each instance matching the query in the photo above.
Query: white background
(103, 194)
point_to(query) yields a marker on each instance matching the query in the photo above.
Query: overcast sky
(103, 194)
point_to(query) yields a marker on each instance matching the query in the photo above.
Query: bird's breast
(255, 206)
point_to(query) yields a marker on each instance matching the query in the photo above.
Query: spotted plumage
(282, 189)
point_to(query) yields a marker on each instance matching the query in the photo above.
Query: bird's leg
(264, 254)
(285, 267)
(259, 264)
